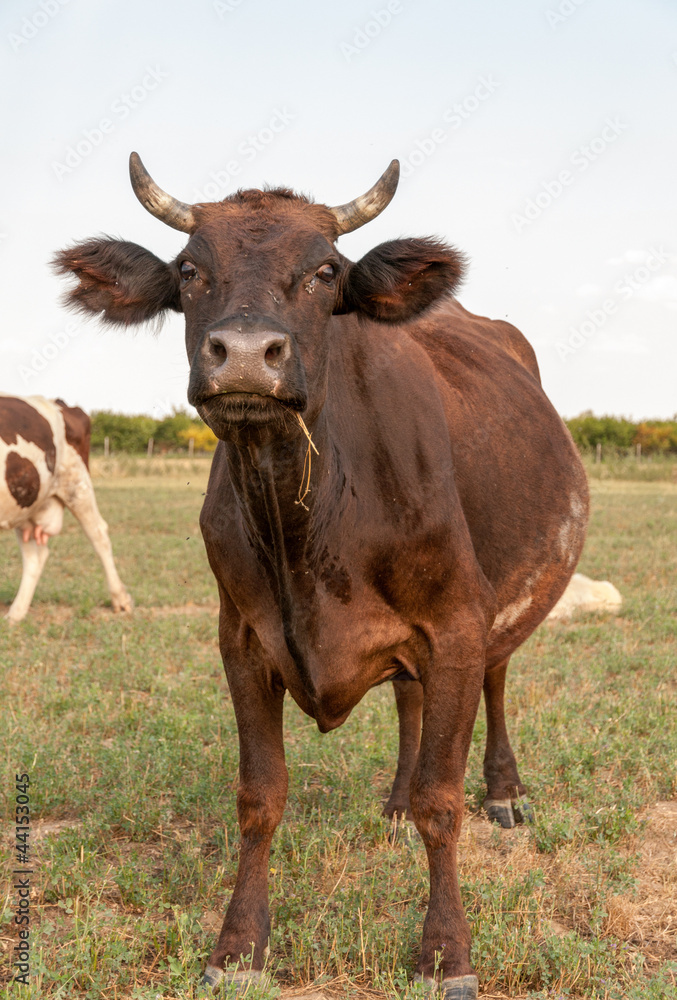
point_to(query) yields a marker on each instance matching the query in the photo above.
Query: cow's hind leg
(409, 700)
(505, 802)
(82, 504)
(451, 693)
(261, 797)
(33, 557)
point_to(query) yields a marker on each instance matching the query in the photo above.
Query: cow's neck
(270, 478)
(284, 527)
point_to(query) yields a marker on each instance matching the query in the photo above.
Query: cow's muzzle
(250, 361)
(244, 361)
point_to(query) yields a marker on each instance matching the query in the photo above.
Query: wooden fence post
(638, 452)
(191, 447)
(598, 457)
(150, 447)
(106, 447)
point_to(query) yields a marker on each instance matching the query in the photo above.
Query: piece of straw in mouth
(306, 432)
(304, 488)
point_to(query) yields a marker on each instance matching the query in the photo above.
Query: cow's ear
(124, 282)
(399, 279)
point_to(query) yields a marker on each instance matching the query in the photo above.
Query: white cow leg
(83, 507)
(34, 557)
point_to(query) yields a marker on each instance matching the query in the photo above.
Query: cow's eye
(188, 270)
(327, 272)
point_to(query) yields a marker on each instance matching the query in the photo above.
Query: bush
(125, 433)
(588, 431)
(657, 435)
(131, 433)
(204, 438)
(168, 431)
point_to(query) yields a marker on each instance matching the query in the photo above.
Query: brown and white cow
(44, 467)
(439, 521)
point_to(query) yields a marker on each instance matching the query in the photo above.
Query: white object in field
(584, 594)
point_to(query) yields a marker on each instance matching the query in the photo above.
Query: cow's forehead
(257, 215)
(271, 241)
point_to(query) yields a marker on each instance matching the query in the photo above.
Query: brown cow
(44, 467)
(439, 520)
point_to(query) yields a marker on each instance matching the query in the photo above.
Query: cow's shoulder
(78, 428)
(451, 329)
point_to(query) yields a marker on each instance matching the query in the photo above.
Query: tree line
(654, 436)
(132, 433)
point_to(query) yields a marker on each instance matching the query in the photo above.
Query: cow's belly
(531, 590)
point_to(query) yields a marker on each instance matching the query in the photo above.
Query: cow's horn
(365, 208)
(175, 213)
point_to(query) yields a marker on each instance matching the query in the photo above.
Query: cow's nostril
(273, 353)
(219, 349)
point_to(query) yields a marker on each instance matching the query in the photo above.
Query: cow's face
(258, 283)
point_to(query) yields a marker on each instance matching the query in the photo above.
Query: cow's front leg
(409, 700)
(452, 684)
(261, 798)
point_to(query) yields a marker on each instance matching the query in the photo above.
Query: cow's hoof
(213, 977)
(500, 811)
(122, 602)
(460, 988)
(457, 988)
(522, 811)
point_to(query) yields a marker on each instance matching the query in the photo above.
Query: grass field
(126, 729)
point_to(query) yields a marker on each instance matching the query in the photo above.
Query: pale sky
(539, 136)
